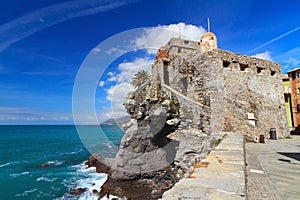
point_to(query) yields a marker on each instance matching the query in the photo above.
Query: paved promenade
(273, 170)
(220, 176)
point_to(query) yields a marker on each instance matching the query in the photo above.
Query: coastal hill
(112, 121)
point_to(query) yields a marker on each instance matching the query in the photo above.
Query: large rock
(144, 168)
(78, 191)
(102, 165)
(153, 153)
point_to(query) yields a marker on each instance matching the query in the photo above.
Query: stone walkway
(273, 170)
(220, 176)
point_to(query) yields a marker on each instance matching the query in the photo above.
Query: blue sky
(44, 44)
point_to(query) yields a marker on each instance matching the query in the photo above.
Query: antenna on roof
(208, 25)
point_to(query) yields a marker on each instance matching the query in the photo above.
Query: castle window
(298, 74)
(298, 107)
(165, 62)
(186, 42)
(273, 73)
(226, 63)
(233, 60)
(286, 98)
(259, 70)
(243, 67)
(178, 50)
(212, 38)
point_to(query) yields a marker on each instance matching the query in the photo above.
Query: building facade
(242, 93)
(287, 90)
(294, 78)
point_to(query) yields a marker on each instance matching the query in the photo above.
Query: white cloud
(112, 79)
(38, 20)
(152, 38)
(128, 69)
(115, 50)
(292, 61)
(275, 39)
(158, 36)
(21, 115)
(265, 55)
(101, 83)
(111, 73)
(96, 50)
(116, 94)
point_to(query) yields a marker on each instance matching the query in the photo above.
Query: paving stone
(278, 160)
(223, 178)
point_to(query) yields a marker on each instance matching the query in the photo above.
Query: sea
(25, 148)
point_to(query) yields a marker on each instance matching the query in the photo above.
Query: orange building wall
(295, 84)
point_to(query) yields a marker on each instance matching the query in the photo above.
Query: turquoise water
(24, 149)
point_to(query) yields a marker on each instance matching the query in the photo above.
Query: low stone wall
(221, 175)
(193, 114)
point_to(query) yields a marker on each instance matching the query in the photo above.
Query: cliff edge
(196, 93)
(155, 151)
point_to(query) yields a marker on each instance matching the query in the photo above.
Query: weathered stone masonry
(242, 92)
(196, 93)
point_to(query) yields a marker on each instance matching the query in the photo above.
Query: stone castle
(196, 95)
(228, 91)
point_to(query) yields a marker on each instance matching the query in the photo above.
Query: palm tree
(140, 78)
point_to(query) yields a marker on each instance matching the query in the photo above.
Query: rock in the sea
(102, 165)
(143, 167)
(95, 191)
(160, 145)
(46, 165)
(78, 191)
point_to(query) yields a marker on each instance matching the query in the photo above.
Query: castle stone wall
(243, 93)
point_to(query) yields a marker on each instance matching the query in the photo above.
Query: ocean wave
(72, 152)
(93, 181)
(86, 178)
(25, 193)
(46, 179)
(18, 174)
(55, 162)
(9, 163)
(113, 197)
(4, 165)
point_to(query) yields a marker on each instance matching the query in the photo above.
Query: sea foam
(46, 179)
(9, 163)
(19, 174)
(87, 178)
(25, 193)
(56, 162)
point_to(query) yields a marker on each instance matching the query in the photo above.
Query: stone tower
(208, 42)
(160, 69)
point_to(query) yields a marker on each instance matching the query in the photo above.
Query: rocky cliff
(177, 118)
(156, 151)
